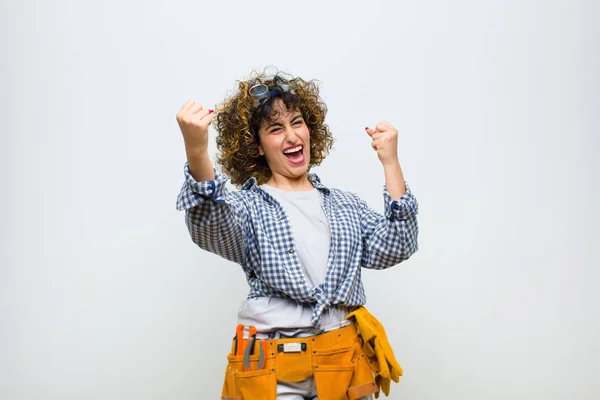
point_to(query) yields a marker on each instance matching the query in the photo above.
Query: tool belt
(336, 359)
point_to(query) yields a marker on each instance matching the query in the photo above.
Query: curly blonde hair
(238, 118)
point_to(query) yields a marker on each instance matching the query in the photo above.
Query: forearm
(394, 179)
(199, 164)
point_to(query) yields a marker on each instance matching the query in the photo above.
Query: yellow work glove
(377, 347)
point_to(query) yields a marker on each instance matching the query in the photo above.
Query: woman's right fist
(193, 121)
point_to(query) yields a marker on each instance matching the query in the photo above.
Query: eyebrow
(272, 124)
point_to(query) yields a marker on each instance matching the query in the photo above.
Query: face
(285, 143)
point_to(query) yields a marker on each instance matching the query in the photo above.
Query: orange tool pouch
(336, 360)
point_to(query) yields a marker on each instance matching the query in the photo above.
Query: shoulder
(336, 194)
(345, 196)
(254, 196)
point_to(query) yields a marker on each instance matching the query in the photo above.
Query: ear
(260, 150)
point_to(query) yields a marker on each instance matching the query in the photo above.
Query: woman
(300, 243)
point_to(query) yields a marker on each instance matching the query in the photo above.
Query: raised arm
(391, 238)
(215, 216)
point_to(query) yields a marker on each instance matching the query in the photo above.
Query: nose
(290, 135)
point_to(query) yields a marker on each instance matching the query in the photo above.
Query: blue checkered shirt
(250, 228)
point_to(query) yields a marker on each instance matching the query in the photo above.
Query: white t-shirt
(312, 238)
(310, 229)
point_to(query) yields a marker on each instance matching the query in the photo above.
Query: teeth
(293, 149)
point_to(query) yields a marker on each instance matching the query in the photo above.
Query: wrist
(196, 152)
(393, 163)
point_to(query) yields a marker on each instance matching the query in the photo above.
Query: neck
(297, 184)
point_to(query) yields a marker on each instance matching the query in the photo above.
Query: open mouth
(295, 154)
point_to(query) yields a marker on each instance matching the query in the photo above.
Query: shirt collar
(316, 181)
(313, 178)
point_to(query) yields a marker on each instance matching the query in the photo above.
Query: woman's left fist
(384, 142)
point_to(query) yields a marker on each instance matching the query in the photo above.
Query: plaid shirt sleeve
(215, 216)
(388, 240)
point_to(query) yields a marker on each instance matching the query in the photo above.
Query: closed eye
(297, 121)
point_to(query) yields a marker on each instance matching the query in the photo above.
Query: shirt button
(300, 280)
(291, 250)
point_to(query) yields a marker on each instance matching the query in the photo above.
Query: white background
(104, 296)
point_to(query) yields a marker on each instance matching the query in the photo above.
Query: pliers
(250, 350)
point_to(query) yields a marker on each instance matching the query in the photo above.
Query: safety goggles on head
(261, 92)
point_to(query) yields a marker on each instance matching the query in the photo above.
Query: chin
(299, 171)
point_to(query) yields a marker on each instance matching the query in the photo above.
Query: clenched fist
(385, 142)
(193, 121)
